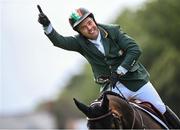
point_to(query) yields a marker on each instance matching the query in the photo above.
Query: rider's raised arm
(67, 43)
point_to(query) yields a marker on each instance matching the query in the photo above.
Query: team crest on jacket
(121, 52)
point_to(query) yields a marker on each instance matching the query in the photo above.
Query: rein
(132, 107)
(133, 123)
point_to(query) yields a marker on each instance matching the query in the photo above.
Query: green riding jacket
(120, 49)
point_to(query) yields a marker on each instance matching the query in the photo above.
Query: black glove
(113, 79)
(43, 19)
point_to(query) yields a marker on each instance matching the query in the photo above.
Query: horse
(112, 111)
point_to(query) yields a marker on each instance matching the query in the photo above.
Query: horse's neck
(119, 104)
(121, 107)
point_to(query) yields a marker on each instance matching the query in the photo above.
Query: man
(113, 57)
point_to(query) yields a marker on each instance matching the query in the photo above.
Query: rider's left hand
(113, 79)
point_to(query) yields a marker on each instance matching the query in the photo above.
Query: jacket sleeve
(130, 48)
(67, 43)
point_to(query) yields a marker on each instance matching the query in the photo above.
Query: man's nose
(89, 27)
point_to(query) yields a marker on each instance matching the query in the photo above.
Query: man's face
(88, 28)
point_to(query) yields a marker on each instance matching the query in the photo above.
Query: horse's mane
(109, 93)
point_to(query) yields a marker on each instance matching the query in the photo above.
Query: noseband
(100, 117)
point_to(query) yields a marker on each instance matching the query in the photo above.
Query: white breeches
(145, 93)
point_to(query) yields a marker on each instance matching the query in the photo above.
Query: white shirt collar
(98, 43)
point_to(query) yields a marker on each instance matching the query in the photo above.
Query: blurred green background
(156, 28)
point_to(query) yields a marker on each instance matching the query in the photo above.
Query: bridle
(116, 118)
(100, 117)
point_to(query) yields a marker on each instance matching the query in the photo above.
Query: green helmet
(78, 16)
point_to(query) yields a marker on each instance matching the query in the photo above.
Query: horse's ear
(105, 102)
(83, 108)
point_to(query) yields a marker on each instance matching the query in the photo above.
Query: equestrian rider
(113, 56)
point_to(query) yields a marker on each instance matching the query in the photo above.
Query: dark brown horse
(111, 111)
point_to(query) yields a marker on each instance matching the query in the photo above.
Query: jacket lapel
(93, 48)
(105, 41)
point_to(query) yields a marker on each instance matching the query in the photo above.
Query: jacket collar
(103, 32)
(104, 39)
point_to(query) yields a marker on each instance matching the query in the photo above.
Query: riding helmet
(78, 16)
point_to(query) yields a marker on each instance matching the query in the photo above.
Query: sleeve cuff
(121, 70)
(48, 29)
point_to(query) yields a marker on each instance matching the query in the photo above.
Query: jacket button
(110, 67)
(105, 59)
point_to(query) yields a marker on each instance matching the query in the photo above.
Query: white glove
(121, 70)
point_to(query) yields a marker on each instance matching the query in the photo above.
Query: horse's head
(99, 114)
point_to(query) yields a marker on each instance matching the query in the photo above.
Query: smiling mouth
(91, 32)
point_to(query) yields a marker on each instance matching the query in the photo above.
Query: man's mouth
(92, 31)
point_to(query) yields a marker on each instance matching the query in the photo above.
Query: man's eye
(89, 23)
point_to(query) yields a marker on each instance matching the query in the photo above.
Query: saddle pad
(150, 107)
(152, 115)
